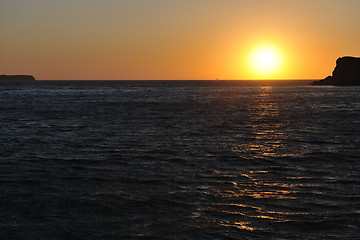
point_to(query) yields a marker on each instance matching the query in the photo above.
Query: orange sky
(174, 39)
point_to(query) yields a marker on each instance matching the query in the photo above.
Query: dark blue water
(179, 160)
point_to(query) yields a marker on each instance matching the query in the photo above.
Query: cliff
(16, 78)
(346, 73)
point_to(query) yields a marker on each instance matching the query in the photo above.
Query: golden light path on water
(252, 198)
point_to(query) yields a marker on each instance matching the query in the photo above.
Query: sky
(175, 39)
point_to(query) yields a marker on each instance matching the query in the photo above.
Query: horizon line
(307, 79)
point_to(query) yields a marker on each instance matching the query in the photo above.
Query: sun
(265, 61)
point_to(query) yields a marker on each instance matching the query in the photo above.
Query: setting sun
(265, 61)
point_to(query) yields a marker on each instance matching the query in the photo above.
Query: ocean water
(179, 160)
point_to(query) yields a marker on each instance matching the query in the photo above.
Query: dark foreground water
(179, 160)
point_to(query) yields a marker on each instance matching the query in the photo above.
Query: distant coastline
(16, 78)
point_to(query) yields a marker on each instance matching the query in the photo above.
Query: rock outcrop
(16, 78)
(346, 73)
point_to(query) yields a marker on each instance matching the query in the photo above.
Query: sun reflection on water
(266, 133)
(247, 202)
(239, 225)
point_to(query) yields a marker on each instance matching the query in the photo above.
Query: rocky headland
(16, 78)
(346, 73)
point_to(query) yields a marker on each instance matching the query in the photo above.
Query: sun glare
(265, 61)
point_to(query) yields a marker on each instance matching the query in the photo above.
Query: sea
(179, 160)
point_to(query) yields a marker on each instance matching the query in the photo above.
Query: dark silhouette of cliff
(16, 78)
(346, 73)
